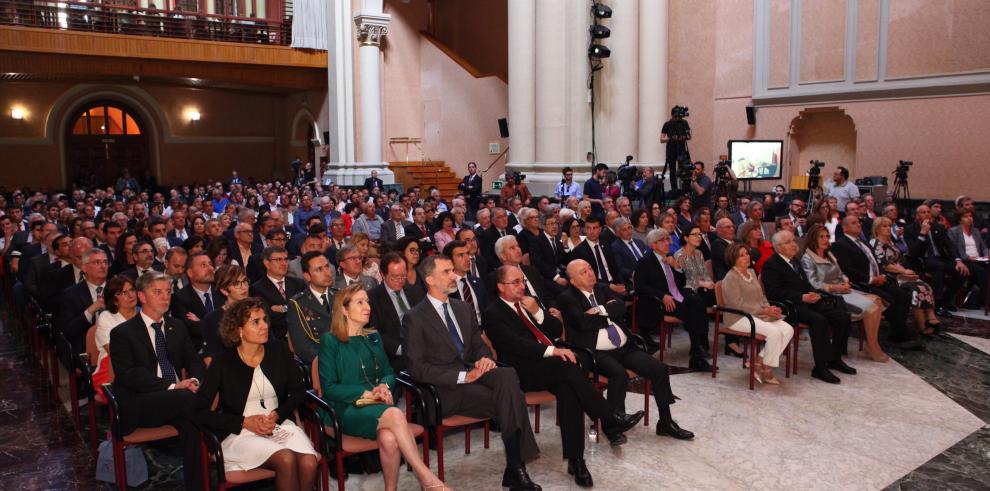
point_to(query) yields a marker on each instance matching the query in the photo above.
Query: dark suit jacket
(268, 293)
(388, 232)
(514, 344)
(582, 328)
(373, 182)
(234, 253)
(918, 245)
(429, 351)
(131, 272)
(175, 241)
(71, 320)
(135, 363)
(526, 239)
(852, 260)
(186, 300)
(548, 261)
(231, 379)
(386, 320)
(719, 266)
(546, 291)
(425, 241)
(584, 251)
(625, 261)
(782, 283)
(958, 242)
(305, 330)
(256, 267)
(486, 246)
(650, 284)
(471, 185)
(480, 293)
(33, 269)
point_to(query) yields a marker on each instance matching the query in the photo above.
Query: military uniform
(308, 319)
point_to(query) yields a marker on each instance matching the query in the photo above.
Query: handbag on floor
(137, 466)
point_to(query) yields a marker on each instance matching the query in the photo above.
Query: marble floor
(918, 422)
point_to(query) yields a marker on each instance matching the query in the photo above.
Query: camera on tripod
(722, 169)
(679, 112)
(816, 166)
(902, 169)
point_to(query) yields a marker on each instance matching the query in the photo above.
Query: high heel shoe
(770, 378)
(731, 352)
(438, 487)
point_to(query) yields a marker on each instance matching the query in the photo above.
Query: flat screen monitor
(756, 159)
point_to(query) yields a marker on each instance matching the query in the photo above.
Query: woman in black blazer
(259, 388)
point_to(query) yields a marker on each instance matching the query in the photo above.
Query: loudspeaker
(751, 114)
(503, 127)
(326, 137)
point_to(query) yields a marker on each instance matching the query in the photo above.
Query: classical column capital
(371, 28)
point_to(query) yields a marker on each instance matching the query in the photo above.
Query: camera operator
(701, 186)
(594, 189)
(841, 189)
(567, 186)
(648, 188)
(675, 133)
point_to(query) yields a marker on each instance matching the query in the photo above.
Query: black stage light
(601, 11)
(599, 31)
(597, 52)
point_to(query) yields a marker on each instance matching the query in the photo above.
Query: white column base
(542, 178)
(354, 173)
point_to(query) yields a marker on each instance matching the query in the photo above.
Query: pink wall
(711, 70)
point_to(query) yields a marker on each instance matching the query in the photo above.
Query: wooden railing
(125, 19)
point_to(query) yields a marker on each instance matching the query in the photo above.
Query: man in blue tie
(442, 345)
(626, 250)
(149, 353)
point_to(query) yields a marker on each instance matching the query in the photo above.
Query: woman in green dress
(353, 366)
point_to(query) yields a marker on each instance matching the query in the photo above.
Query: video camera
(903, 166)
(722, 168)
(816, 167)
(679, 112)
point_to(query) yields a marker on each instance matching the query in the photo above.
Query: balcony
(172, 22)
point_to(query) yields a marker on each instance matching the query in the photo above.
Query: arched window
(105, 119)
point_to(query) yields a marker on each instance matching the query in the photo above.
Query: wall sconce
(17, 113)
(194, 115)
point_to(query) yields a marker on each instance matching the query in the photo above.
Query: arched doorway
(102, 140)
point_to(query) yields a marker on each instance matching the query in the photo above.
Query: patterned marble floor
(919, 422)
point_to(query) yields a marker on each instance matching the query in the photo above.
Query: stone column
(371, 29)
(617, 87)
(522, 81)
(653, 108)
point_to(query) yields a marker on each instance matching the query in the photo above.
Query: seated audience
(410, 250)
(275, 289)
(968, 245)
(258, 388)
(668, 222)
(121, 305)
(697, 271)
(891, 260)
(445, 230)
(351, 263)
(751, 235)
(546, 252)
(232, 282)
(309, 310)
(824, 274)
(741, 290)
(928, 242)
(601, 258)
(626, 249)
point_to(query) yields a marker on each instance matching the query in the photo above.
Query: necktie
(671, 284)
(161, 351)
(538, 334)
(611, 330)
(501, 233)
(82, 276)
(403, 306)
(874, 268)
(467, 296)
(931, 246)
(634, 249)
(208, 302)
(175, 285)
(454, 336)
(423, 229)
(602, 268)
(474, 268)
(399, 232)
(325, 301)
(553, 247)
(797, 267)
(281, 288)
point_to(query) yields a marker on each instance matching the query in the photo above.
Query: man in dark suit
(522, 334)
(442, 345)
(927, 241)
(421, 230)
(80, 303)
(395, 227)
(150, 355)
(144, 261)
(471, 186)
(310, 309)
(510, 254)
(626, 250)
(856, 260)
(390, 301)
(725, 232)
(373, 182)
(111, 232)
(469, 287)
(500, 228)
(178, 234)
(784, 280)
(256, 269)
(191, 304)
(39, 265)
(546, 253)
(243, 246)
(599, 256)
(478, 265)
(275, 289)
(351, 269)
(856, 210)
(754, 213)
(660, 286)
(595, 317)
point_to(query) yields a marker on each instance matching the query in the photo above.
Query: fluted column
(652, 78)
(618, 102)
(522, 81)
(551, 75)
(371, 29)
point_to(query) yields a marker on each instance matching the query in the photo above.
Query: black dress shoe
(615, 438)
(673, 430)
(578, 469)
(516, 479)
(621, 422)
(824, 375)
(842, 367)
(700, 365)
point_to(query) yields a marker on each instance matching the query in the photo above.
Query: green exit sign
(496, 185)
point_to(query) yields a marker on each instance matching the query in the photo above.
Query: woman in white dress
(121, 303)
(259, 388)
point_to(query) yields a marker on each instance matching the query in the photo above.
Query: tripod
(815, 191)
(901, 189)
(723, 188)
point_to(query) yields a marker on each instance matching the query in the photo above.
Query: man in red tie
(522, 335)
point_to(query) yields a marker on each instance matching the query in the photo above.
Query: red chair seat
(539, 398)
(141, 435)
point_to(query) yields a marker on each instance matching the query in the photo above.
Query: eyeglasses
(396, 277)
(412, 251)
(513, 282)
(240, 282)
(125, 292)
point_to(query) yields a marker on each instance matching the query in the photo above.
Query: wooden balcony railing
(124, 19)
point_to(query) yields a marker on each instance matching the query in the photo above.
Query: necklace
(364, 371)
(254, 379)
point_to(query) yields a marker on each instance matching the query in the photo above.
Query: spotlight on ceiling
(597, 52)
(601, 11)
(599, 31)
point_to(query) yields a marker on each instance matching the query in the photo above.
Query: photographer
(567, 186)
(675, 134)
(841, 189)
(701, 186)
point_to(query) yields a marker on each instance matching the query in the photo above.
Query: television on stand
(755, 160)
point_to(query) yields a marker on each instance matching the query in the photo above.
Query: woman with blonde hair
(357, 381)
(889, 259)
